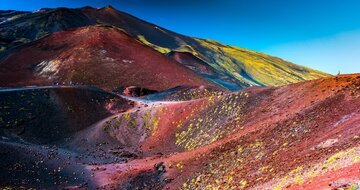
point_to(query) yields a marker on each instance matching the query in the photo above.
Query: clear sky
(322, 34)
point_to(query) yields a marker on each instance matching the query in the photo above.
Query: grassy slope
(262, 68)
(246, 66)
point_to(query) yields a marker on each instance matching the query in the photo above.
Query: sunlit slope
(254, 67)
(237, 66)
(246, 67)
(299, 136)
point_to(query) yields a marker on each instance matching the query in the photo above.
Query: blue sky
(322, 34)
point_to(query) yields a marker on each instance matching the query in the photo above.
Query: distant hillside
(102, 56)
(230, 67)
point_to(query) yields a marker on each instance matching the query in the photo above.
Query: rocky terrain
(95, 98)
(256, 138)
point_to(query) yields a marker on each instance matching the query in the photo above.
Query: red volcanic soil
(342, 178)
(101, 56)
(256, 138)
(272, 139)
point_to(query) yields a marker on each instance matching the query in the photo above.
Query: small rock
(160, 166)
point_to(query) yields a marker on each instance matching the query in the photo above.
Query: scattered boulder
(160, 167)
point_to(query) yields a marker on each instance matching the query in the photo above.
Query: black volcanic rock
(134, 91)
(48, 114)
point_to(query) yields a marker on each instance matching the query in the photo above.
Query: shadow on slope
(47, 114)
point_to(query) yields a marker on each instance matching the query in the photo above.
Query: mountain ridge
(241, 67)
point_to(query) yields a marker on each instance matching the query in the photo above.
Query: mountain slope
(268, 139)
(175, 125)
(96, 55)
(256, 138)
(237, 67)
(34, 121)
(47, 114)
